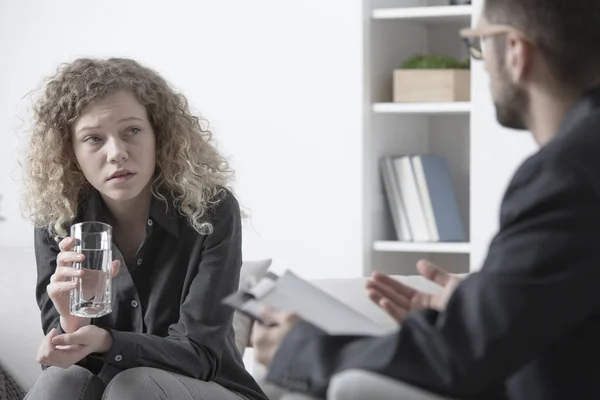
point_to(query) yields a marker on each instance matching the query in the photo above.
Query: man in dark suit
(527, 325)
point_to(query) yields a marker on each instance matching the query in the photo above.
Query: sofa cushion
(9, 389)
(21, 331)
(251, 273)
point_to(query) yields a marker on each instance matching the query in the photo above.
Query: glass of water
(92, 298)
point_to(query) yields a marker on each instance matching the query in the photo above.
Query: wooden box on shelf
(432, 85)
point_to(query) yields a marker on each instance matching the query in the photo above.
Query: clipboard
(291, 293)
(248, 302)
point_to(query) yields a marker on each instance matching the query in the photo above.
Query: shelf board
(427, 14)
(412, 247)
(422, 108)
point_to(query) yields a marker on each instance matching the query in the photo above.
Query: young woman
(112, 142)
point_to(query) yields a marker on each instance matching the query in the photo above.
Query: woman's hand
(65, 350)
(62, 282)
(398, 300)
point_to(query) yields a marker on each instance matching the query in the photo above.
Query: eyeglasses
(473, 38)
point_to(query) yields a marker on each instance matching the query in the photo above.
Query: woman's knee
(128, 384)
(73, 383)
(152, 383)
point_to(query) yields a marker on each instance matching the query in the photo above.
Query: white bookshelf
(422, 108)
(396, 30)
(411, 247)
(429, 14)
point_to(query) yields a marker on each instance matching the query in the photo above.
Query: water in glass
(92, 298)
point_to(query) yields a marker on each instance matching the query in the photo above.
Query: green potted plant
(432, 78)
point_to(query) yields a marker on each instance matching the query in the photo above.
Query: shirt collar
(589, 103)
(164, 214)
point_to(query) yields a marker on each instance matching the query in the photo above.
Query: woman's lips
(122, 178)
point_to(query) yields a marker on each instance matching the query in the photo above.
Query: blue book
(438, 198)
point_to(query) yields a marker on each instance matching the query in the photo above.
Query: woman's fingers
(57, 356)
(57, 289)
(46, 348)
(66, 244)
(66, 258)
(62, 273)
(116, 264)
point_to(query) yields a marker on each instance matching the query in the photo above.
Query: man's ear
(518, 58)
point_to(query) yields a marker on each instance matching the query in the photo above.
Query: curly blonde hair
(189, 168)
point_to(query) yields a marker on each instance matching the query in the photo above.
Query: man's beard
(512, 103)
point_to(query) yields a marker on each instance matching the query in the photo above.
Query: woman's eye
(134, 131)
(92, 139)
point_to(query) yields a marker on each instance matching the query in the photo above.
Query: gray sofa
(21, 332)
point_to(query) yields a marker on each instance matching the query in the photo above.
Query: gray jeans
(77, 383)
(363, 385)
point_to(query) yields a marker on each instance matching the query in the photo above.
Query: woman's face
(115, 146)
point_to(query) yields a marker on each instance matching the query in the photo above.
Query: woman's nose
(117, 152)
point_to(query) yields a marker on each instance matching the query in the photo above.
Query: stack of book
(422, 199)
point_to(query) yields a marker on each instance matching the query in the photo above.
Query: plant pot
(432, 85)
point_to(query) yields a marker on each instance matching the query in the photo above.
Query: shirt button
(139, 261)
(134, 303)
(150, 222)
(118, 357)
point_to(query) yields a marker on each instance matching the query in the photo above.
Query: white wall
(281, 87)
(496, 152)
(279, 82)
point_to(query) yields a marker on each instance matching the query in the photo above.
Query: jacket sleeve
(46, 251)
(535, 286)
(195, 343)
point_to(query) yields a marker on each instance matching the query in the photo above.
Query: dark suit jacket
(527, 326)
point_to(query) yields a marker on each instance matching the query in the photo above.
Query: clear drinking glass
(92, 298)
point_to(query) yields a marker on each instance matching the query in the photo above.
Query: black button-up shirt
(166, 303)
